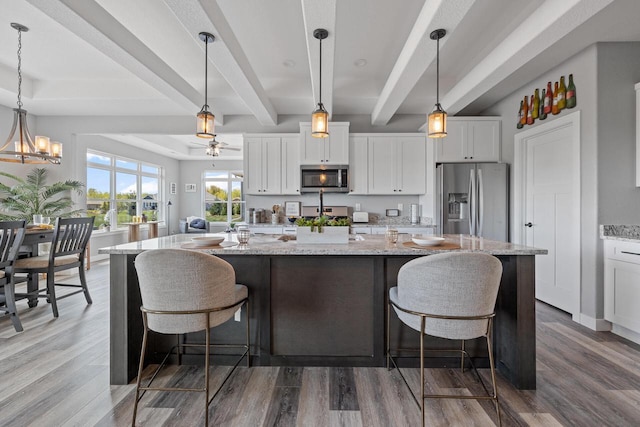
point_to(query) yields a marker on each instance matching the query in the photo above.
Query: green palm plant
(31, 196)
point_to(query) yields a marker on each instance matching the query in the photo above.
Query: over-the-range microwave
(330, 178)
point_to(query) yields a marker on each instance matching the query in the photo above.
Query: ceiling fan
(214, 147)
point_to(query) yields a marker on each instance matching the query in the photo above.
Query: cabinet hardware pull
(529, 224)
(629, 253)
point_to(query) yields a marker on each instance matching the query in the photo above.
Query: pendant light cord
(438, 70)
(320, 71)
(19, 69)
(206, 68)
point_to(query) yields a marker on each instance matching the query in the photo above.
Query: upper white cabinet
(290, 165)
(358, 165)
(271, 164)
(388, 164)
(332, 150)
(469, 140)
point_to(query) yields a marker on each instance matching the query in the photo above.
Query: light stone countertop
(362, 245)
(627, 233)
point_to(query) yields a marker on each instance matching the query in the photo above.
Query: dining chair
(68, 248)
(11, 236)
(451, 296)
(187, 291)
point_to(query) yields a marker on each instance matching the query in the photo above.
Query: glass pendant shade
(320, 122)
(437, 123)
(205, 124)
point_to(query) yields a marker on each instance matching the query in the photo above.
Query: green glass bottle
(542, 114)
(571, 93)
(520, 112)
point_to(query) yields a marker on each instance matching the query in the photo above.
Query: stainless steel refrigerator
(473, 198)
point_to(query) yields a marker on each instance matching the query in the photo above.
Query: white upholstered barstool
(186, 291)
(452, 296)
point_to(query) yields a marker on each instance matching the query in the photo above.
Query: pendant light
(26, 150)
(438, 117)
(320, 117)
(205, 118)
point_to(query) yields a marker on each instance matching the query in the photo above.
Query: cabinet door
(484, 141)
(453, 147)
(382, 165)
(622, 291)
(253, 166)
(311, 149)
(411, 165)
(358, 167)
(271, 166)
(290, 165)
(336, 146)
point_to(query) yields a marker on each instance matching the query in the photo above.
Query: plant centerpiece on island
(322, 230)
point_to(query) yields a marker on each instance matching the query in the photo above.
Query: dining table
(30, 248)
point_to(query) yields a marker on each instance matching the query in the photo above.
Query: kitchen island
(324, 305)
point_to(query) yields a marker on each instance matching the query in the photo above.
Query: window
(223, 196)
(119, 188)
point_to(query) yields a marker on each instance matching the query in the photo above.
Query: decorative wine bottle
(554, 105)
(520, 112)
(543, 115)
(525, 110)
(530, 119)
(548, 100)
(571, 93)
(562, 91)
(535, 101)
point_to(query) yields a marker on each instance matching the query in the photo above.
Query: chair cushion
(43, 262)
(198, 223)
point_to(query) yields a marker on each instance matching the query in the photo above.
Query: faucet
(321, 207)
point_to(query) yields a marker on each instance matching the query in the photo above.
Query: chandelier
(205, 118)
(438, 117)
(26, 149)
(320, 117)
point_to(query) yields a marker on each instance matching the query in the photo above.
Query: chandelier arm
(11, 132)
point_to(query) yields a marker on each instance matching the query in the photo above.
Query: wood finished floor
(56, 373)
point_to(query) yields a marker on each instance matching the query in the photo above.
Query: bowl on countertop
(421, 240)
(206, 241)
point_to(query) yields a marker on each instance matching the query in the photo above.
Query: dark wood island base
(328, 310)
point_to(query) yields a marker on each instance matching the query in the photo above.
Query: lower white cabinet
(622, 283)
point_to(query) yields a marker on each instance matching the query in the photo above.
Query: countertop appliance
(473, 198)
(328, 178)
(360, 217)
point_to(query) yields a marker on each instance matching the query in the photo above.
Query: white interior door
(550, 208)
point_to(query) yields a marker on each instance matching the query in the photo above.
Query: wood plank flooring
(56, 373)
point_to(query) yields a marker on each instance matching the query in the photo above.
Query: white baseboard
(626, 333)
(592, 323)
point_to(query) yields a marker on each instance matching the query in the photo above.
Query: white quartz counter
(361, 245)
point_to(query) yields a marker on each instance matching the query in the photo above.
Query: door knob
(528, 224)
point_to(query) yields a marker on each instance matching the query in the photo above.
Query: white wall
(604, 75)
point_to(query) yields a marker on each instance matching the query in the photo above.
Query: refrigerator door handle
(480, 203)
(472, 210)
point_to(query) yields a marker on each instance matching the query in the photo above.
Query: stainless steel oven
(330, 178)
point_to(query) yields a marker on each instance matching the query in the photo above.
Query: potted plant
(322, 230)
(32, 196)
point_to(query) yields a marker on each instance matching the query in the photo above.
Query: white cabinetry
(358, 165)
(469, 140)
(397, 164)
(333, 149)
(622, 284)
(271, 164)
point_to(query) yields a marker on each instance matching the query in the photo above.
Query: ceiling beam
(418, 53)
(226, 54)
(320, 14)
(92, 23)
(543, 28)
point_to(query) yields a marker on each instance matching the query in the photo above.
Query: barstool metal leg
(140, 368)
(248, 338)
(422, 369)
(493, 377)
(206, 373)
(388, 337)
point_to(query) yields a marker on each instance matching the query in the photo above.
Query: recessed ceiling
(144, 57)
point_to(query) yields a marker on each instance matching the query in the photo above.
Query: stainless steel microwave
(330, 178)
